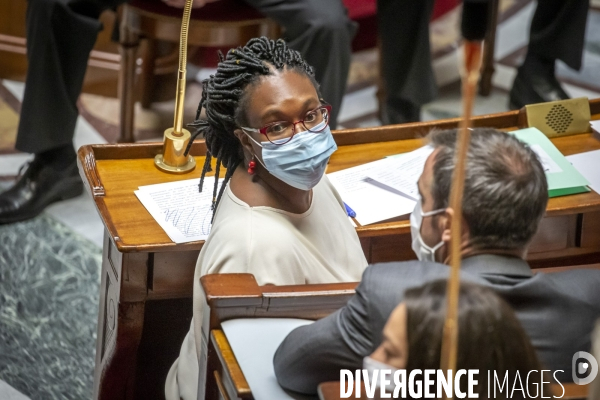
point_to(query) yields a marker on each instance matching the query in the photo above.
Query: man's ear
(445, 223)
(244, 140)
(445, 226)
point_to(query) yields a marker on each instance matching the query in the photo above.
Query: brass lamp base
(160, 164)
(173, 160)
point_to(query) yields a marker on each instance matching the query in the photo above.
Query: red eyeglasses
(281, 132)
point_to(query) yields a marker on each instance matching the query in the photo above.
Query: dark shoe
(40, 186)
(398, 111)
(530, 87)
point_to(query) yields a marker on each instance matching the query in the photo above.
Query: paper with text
(178, 207)
(372, 201)
(402, 173)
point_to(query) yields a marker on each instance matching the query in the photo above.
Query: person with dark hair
(505, 197)
(490, 338)
(557, 32)
(275, 215)
(60, 37)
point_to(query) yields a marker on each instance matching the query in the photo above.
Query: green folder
(563, 178)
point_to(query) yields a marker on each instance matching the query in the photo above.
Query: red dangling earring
(251, 166)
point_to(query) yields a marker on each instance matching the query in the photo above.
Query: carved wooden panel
(391, 248)
(111, 270)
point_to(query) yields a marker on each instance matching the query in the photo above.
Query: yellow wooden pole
(470, 77)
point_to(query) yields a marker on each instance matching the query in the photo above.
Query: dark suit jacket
(556, 310)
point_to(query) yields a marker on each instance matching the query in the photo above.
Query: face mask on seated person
(421, 249)
(301, 162)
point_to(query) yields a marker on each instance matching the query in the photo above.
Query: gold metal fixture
(177, 138)
(560, 118)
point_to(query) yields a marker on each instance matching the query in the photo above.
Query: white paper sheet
(550, 166)
(595, 125)
(178, 207)
(402, 173)
(254, 342)
(588, 165)
(371, 201)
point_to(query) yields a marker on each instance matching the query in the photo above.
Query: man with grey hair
(505, 198)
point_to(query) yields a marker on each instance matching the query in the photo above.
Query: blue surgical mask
(301, 162)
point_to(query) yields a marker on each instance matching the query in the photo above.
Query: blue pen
(351, 213)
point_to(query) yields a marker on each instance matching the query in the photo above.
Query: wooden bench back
(231, 296)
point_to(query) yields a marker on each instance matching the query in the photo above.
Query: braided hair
(223, 98)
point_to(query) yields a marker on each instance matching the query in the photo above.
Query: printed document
(372, 201)
(402, 173)
(178, 207)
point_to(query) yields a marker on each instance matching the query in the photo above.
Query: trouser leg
(60, 36)
(558, 31)
(322, 32)
(405, 50)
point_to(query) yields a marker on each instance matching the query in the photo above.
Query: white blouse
(277, 247)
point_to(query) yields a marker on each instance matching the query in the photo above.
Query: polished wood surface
(229, 380)
(331, 391)
(142, 269)
(233, 296)
(133, 228)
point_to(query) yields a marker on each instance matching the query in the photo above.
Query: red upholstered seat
(441, 7)
(222, 10)
(358, 9)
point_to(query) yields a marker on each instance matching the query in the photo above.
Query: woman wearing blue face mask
(276, 214)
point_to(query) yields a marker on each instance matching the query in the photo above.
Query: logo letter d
(591, 363)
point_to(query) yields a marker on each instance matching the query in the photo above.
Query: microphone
(475, 16)
(174, 158)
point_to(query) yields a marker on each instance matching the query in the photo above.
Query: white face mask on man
(421, 249)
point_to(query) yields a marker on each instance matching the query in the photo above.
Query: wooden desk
(146, 280)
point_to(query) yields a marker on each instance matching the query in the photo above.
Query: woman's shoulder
(253, 242)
